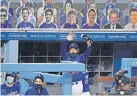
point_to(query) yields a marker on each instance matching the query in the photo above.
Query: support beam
(52, 78)
(45, 67)
(67, 83)
(11, 51)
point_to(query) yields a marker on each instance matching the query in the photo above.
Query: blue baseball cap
(29, 4)
(48, 5)
(11, 74)
(73, 45)
(68, 1)
(40, 76)
(109, 5)
(4, 2)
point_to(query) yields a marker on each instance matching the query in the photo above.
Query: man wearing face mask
(37, 88)
(10, 86)
(3, 18)
(80, 85)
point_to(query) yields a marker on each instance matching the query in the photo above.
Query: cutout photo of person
(91, 20)
(68, 5)
(48, 23)
(133, 19)
(71, 20)
(25, 23)
(113, 20)
(3, 18)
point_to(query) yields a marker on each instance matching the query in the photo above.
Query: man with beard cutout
(48, 23)
(80, 86)
(37, 88)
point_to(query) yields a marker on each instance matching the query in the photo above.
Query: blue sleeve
(46, 92)
(85, 82)
(41, 26)
(64, 48)
(86, 54)
(28, 92)
(11, 11)
(32, 26)
(55, 26)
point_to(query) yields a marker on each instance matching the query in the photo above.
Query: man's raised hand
(70, 36)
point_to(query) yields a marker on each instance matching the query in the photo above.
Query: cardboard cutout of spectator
(62, 10)
(48, 22)
(5, 3)
(25, 23)
(3, 18)
(67, 7)
(91, 23)
(71, 20)
(105, 19)
(126, 13)
(84, 10)
(113, 20)
(18, 10)
(91, 5)
(40, 13)
(133, 18)
(32, 18)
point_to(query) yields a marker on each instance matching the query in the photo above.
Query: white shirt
(130, 26)
(113, 27)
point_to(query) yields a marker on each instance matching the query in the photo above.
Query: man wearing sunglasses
(48, 23)
(3, 19)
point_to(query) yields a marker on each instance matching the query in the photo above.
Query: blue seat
(62, 19)
(104, 21)
(61, 11)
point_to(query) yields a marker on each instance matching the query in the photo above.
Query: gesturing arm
(64, 47)
(64, 44)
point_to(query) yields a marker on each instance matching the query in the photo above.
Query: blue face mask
(10, 79)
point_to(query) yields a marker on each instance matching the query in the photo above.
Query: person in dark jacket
(37, 88)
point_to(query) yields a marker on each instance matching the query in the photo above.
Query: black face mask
(38, 86)
(73, 54)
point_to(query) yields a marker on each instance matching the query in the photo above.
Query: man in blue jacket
(10, 87)
(37, 88)
(80, 85)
